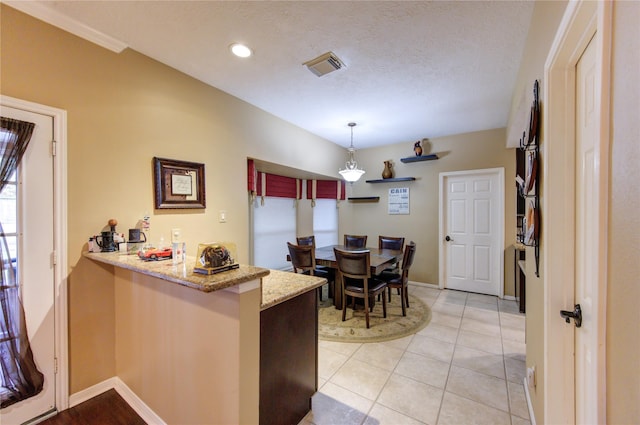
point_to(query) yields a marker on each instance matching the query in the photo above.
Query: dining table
(380, 260)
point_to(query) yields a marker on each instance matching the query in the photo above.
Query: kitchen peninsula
(199, 349)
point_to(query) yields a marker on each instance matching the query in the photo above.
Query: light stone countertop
(181, 274)
(280, 286)
(277, 286)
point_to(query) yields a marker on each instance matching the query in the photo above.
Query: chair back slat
(391, 242)
(407, 259)
(302, 257)
(307, 240)
(355, 241)
(354, 264)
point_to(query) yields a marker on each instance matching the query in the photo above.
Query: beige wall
(123, 109)
(483, 149)
(623, 292)
(544, 24)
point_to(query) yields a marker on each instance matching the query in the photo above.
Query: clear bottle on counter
(178, 252)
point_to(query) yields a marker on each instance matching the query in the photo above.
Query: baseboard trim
(510, 298)
(428, 285)
(532, 417)
(136, 403)
(92, 391)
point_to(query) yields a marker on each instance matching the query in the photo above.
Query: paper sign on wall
(399, 200)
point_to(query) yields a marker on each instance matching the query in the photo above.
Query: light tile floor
(466, 367)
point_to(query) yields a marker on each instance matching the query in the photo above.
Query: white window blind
(274, 224)
(325, 222)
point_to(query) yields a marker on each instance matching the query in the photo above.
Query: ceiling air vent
(324, 64)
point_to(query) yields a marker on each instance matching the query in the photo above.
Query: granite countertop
(279, 286)
(181, 274)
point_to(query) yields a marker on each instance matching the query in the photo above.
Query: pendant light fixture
(351, 173)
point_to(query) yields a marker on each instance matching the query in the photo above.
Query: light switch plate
(222, 216)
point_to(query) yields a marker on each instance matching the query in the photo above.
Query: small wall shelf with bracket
(391, 180)
(364, 199)
(431, 157)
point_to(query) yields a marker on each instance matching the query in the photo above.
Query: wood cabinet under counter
(288, 346)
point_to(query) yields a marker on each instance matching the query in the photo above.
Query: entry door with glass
(27, 213)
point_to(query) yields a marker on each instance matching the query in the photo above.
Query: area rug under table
(354, 328)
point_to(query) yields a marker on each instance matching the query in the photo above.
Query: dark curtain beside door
(20, 377)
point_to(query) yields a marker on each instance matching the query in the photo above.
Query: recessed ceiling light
(240, 50)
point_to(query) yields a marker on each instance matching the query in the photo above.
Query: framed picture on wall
(178, 184)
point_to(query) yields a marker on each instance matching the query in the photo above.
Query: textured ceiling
(413, 70)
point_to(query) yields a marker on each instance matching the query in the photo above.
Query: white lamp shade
(351, 175)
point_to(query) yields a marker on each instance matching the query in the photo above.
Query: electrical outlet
(222, 216)
(175, 235)
(531, 377)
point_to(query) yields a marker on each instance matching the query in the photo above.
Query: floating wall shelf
(395, 179)
(420, 158)
(365, 199)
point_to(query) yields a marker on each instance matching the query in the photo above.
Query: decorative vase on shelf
(417, 148)
(387, 173)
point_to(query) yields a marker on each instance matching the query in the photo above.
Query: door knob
(576, 315)
(448, 239)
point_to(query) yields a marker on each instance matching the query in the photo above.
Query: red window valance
(265, 184)
(278, 186)
(326, 189)
(252, 177)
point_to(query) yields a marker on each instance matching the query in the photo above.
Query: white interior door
(576, 135)
(587, 237)
(471, 231)
(35, 247)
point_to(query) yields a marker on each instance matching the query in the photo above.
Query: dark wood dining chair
(355, 241)
(303, 259)
(391, 242)
(354, 275)
(311, 240)
(401, 280)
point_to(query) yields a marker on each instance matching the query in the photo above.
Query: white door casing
(43, 253)
(472, 219)
(575, 193)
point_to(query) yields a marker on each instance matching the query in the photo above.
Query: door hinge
(53, 147)
(55, 365)
(54, 258)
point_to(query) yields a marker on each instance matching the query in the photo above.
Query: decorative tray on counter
(215, 258)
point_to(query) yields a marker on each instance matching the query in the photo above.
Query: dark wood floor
(107, 408)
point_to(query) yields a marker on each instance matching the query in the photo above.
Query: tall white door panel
(471, 228)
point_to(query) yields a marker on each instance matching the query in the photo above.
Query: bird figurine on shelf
(417, 148)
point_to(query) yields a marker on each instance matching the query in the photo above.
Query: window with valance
(274, 216)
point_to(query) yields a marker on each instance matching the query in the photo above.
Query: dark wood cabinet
(288, 359)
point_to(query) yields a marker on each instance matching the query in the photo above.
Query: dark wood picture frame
(178, 184)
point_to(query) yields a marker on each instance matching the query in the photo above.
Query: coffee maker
(106, 240)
